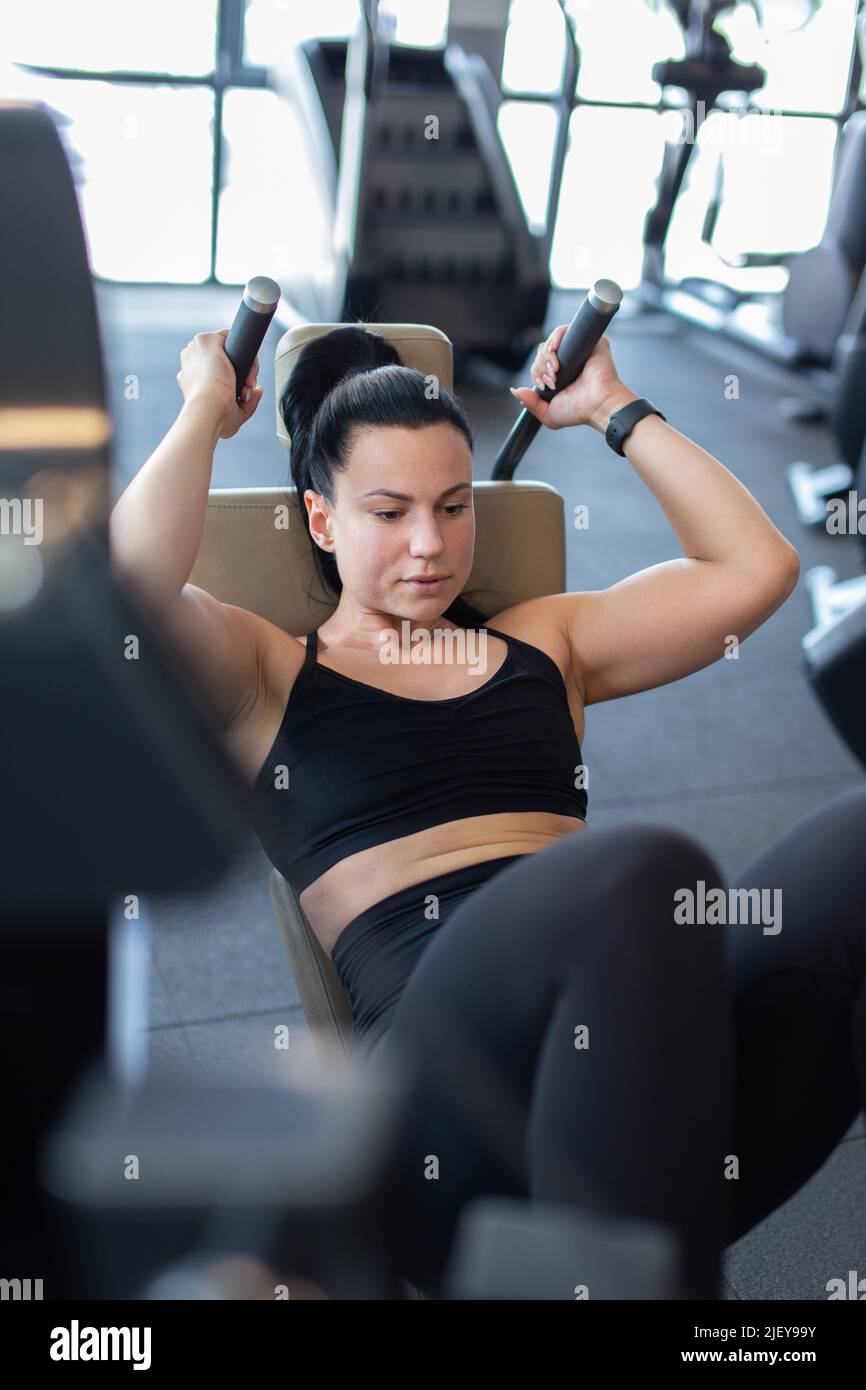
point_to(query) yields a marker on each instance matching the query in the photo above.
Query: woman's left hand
(584, 399)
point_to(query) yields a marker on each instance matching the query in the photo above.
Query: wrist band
(622, 422)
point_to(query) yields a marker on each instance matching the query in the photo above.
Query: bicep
(665, 622)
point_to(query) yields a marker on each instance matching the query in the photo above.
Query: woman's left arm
(716, 518)
(674, 618)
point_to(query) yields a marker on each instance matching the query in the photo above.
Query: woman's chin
(423, 610)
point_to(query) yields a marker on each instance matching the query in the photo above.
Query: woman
(568, 1034)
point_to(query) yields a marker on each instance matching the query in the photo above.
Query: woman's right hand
(207, 372)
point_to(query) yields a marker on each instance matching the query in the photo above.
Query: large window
(272, 212)
(601, 211)
(145, 193)
(777, 167)
(777, 181)
(615, 147)
(190, 168)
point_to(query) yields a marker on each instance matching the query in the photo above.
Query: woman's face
(380, 541)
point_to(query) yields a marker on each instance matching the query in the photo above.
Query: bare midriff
(361, 880)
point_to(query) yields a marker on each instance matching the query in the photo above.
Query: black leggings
(706, 1040)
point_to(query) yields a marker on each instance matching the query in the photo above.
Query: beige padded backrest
(255, 553)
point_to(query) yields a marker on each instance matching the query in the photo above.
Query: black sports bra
(354, 766)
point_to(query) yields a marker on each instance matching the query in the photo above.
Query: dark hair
(343, 380)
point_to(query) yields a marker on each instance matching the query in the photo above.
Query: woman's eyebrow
(404, 497)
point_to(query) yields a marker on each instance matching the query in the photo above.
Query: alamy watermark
(77, 1343)
(20, 1290)
(22, 516)
(757, 906)
(743, 126)
(448, 646)
(846, 516)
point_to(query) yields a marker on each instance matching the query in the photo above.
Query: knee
(649, 857)
(633, 882)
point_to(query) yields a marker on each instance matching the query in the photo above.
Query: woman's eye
(453, 508)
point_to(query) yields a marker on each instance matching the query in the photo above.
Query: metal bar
(243, 77)
(225, 36)
(258, 77)
(564, 104)
(548, 98)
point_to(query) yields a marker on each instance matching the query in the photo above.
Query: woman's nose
(427, 538)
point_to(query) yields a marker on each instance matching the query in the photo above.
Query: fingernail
(513, 391)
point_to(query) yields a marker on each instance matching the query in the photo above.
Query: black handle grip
(578, 341)
(251, 322)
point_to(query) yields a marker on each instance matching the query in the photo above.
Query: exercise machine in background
(423, 229)
(834, 650)
(802, 326)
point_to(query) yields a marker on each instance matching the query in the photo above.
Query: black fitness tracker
(622, 422)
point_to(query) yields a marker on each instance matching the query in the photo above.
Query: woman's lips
(426, 585)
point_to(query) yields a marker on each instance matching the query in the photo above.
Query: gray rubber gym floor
(734, 755)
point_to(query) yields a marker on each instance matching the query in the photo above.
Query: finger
(530, 401)
(544, 380)
(546, 360)
(546, 373)
(554, 341)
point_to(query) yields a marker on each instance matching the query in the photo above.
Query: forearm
(157, 524)
(713, 515)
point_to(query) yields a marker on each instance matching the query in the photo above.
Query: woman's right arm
(157, 524)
